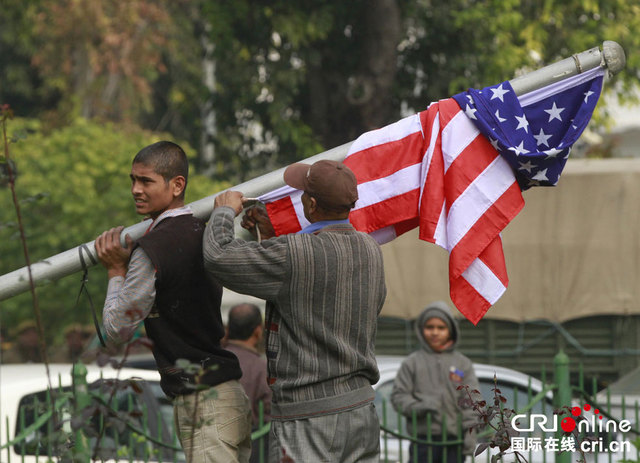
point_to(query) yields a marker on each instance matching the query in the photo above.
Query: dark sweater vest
(185, 322)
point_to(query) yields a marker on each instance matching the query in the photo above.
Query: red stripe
(468, 301)
(283, 216)
(466, 298)
(485, 230)
(433, 192)
(493, 257)
(388, 212)
(383, 160)
(406, 225)
(469, 164)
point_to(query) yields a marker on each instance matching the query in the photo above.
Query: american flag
(456, 171)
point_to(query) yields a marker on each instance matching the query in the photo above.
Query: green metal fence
(123, 421)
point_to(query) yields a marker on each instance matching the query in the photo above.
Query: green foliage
(291, 78)
(450, 46)
(73, 183)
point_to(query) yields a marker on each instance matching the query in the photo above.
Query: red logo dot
(575, 411)
(587, 407)
(568, 424)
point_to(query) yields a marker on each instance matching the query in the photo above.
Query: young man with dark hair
(324, 289)
(160, 279)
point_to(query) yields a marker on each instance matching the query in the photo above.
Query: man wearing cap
(324, 288)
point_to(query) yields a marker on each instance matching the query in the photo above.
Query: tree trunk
(367, 89)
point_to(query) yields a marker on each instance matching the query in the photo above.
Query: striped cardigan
(324, 292)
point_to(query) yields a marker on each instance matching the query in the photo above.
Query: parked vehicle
(622, 398)
(140, 421)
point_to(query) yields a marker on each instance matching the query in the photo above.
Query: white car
(516, 387)
(140, 403)
(622, 398)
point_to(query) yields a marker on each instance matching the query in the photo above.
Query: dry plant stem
(23, 239)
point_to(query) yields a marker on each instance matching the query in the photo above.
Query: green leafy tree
(73, 183)
(267, 83)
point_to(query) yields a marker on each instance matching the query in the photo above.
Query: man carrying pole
(324, 289)
(160, 279)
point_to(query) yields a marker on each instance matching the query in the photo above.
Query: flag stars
(541, 176)
(500, 119)
(587, 95)
(471, 112)
(519, 149)
(552, 153)
(499, 93)
(526, 166)
(542, 138)
(554, 112)
(523, 123)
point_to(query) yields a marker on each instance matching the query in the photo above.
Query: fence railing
(123, 421)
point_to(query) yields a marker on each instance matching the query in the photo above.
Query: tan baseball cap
(332, 183)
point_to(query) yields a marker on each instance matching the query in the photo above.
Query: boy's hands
(112, 255)
(232, 199)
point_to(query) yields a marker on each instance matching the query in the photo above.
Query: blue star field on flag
(534, 132)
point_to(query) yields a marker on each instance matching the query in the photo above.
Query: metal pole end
(614, 57)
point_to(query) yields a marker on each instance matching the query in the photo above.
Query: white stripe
(276, 194)
(384, 235)
(297, 206)
(456, 136)
(393, 132)
(428, 156)
(474, 201)
(558, 87)
(484, 281)
(440, 235)
(381, 189)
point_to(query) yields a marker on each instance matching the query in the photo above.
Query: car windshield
(132, 420)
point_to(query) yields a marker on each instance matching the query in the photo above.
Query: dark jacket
(185, 322)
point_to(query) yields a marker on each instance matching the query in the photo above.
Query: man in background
(26, 348)
(245, 331)
(76, 337)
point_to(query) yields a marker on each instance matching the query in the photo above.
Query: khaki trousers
(214, 426)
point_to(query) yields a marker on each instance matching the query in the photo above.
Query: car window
(133, 409)
(517, 397)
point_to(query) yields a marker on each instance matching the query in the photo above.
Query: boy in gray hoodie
(428, 381)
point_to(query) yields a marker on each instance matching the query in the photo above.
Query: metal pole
(611, 57)
(562, 395)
